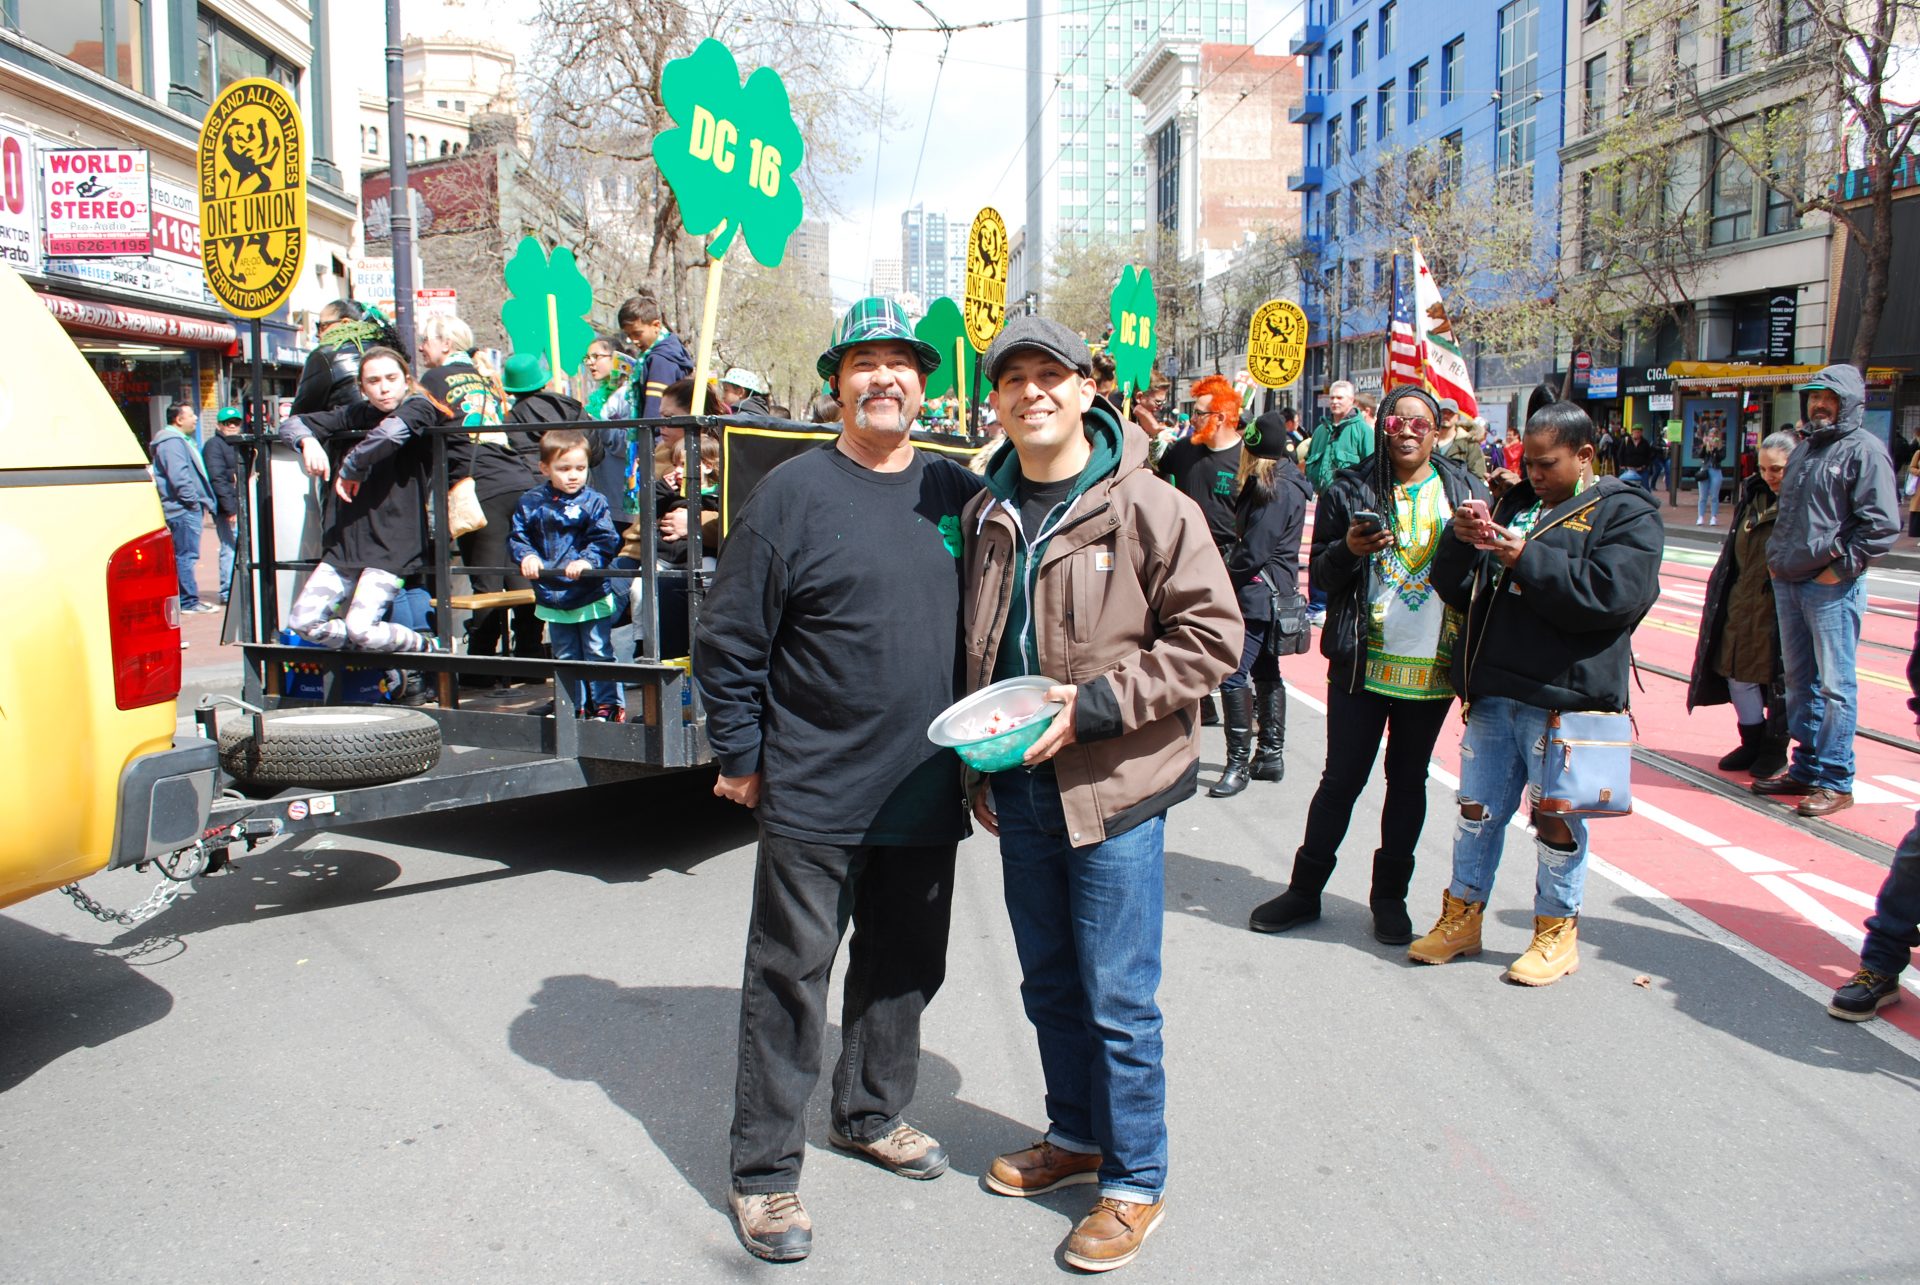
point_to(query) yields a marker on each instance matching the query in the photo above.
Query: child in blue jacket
(562, 528)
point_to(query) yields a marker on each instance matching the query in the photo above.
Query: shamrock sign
(942, 327)
(547, 311)
(732, 153)
(1135, 316)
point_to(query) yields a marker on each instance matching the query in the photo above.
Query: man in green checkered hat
(827, 645)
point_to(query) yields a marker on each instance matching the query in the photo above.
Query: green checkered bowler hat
(870, 321)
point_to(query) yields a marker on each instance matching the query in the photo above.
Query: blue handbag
(1587, 766)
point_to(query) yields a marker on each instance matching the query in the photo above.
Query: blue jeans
(1657, 470)
(1893, 929)
(185, 530)
(1086, 925)
(1710, 496)
(1819, 639)
(587, 640)
(227, 527)
(1500, 757)
(625, 629)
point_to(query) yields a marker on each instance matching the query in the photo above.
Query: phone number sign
(98, 202)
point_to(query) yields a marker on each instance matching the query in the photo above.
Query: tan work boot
(906, 1151)
(1039, 1169)
(773, 1226)
(1112, 1233)
(1457, 932)
(1555, 952)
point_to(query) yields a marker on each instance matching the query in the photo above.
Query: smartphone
(1474, 510)
(1368, 521)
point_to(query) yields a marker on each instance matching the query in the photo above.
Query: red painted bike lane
(1761, 876)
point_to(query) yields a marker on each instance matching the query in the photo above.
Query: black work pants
(1356, 724)
(898, 900)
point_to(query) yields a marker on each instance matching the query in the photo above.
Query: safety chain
(172, 883)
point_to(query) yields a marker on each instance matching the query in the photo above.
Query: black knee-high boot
(1270, 704)
(1237, 705)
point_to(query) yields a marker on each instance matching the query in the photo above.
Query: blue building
(1478, 82)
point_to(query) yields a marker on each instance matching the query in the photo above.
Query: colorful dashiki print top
(1411, 632)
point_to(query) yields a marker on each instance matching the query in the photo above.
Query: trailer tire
(341, 745)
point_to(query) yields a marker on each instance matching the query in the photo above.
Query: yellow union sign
(986, 298)
(253, 197)
(1277, 343)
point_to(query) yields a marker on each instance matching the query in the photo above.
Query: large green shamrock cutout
(942, 327)
(547, 311)
(732, 153)
(1136, 318)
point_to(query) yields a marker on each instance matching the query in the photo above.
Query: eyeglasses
(1411, 425)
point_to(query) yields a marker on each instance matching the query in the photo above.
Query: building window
(1736, 39)
(1595, 10)
(1729, 197)
(1782, 213)
(460, 105)
(1596, 105)
(226, 56)
(1356, 208)
(1387, 16)
(1519, 69)
(1417, 92)
(1333, 140)
(1333, 215)
(1359, 49)
(1351, 294)
(1333, 66)
(1166, 186)
(1796, 25)
(441, 104)
(1453, 65)
(373, 139)
(446, 147)
(1452, 157)
(1633, 63)
(1360, 122)
(106, 36)
(1384, 106)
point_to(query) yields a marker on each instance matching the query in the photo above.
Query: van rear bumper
(165, 799)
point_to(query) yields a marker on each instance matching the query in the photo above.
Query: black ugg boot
(1270, 706)
(1238, 708)
(1388, 900)
(1300, 903)
(1771, 759)
(1752, 739)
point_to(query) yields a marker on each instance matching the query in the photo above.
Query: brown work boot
(1824, 803)
(774, 1227)
(1112, 1233)
(1555, 952)
(906, 1151)
(1457, 932)
(1041, 1168)
(1784, 785)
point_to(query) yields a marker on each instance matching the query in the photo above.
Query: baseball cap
(1041, 334)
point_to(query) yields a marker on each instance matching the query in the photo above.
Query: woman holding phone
(1389, 642)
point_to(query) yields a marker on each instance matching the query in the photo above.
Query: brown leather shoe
(906, 1151)
(1039, 1169)
(1784, 784)
(1824, 803)
(1112, 1233)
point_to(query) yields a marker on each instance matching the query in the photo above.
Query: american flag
(1404, 361)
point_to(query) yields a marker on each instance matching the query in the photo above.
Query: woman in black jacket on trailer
(1264, 564)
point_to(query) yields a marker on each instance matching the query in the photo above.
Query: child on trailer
(561, 529)
(376, 522)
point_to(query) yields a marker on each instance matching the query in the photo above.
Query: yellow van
(91, 774)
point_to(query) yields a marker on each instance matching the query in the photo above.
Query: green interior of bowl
(997, 753)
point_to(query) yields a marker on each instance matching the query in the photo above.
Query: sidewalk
(205, 664)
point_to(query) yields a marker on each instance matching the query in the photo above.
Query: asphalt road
(498, 1046)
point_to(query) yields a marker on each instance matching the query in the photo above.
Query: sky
(950, 137)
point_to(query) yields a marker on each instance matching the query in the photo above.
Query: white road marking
(1834, 888)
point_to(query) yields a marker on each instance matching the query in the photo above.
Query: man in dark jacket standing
(186, 497)
(1084, 567)
(1839, 513)
(1554, 583)
(223, 474)
(828, 645)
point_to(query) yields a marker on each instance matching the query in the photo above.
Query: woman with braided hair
(1389, 643)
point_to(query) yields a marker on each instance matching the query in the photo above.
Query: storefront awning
(122, 322)
(1721, 374)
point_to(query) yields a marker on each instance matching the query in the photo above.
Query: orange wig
(1221, 423)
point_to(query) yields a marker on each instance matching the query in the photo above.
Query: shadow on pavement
(64, 995)
(665, 1056)
(1700, 976)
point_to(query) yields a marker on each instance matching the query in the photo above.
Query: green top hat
(525, 372)
(227, 415)
(873, 321)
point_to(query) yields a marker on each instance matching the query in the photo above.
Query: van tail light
(143, 615)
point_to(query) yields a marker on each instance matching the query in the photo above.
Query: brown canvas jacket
(1132, 604)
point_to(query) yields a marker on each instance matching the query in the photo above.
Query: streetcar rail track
(1882, 738)
(1701, 779)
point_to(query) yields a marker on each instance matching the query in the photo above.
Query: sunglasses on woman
(1411, 425)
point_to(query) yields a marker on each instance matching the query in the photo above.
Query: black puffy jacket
(1346, 578)
(331, 377)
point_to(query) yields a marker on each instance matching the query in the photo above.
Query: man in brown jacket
(1082, 565)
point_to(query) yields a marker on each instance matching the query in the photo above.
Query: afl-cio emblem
(253, 197)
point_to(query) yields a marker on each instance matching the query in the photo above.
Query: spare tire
(336, 745)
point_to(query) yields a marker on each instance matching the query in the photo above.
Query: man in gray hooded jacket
(1837, 516)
